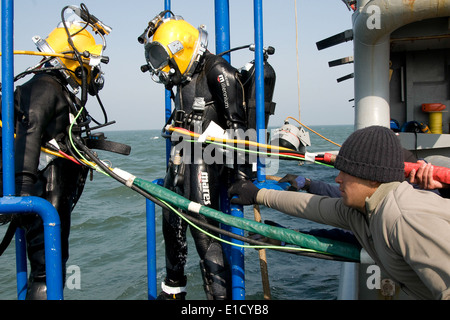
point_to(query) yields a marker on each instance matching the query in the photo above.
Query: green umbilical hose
(338, 248)
(161, 195)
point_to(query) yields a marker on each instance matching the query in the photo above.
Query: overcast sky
(135, 102)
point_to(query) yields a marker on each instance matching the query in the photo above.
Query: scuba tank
(247, 77)
(249, 83)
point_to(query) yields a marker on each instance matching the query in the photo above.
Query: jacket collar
(379, 195)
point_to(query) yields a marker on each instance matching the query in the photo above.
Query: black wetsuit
(42, 108)
(215, 80)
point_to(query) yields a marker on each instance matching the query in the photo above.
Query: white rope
(298, 63)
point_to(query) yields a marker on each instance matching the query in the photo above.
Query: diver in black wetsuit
(208, 90)
(44, 108)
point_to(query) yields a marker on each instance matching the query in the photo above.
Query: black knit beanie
(373, 153)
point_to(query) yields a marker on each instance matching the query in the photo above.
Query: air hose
(441, 174)
(160, 195)
(290, 236)
(38, 53)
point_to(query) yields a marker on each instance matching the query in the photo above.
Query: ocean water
(108, 233)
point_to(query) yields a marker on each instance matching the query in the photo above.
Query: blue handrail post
(151, 249)
(150, 205)
(167, 97)
(222, 28)
(52, 242)
(259, 80)
(237, 259)
(8, 97)
(10, 204)
(52, 238)
(21, 264)
(8, 133)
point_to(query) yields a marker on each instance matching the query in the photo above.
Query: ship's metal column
(373, 23)
(10, 204)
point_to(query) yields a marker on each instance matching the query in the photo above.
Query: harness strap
(8, 236)
(108, 146)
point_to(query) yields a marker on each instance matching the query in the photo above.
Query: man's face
(354, 191)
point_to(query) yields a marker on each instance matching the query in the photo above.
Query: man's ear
(374, 184)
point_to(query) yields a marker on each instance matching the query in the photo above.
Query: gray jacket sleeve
(320, 209)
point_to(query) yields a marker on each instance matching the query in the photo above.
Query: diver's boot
(34, 234)
(37, 290)
(216, 274)
(173, 290)
(37, 286)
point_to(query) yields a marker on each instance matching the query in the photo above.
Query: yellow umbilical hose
(313, 131)
(246, 142)
(57, 154)
(38, 53)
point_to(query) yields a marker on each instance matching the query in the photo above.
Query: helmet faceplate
(176, 47)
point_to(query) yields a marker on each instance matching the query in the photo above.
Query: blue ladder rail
(235, 254)
(52, 238)
(10, 204)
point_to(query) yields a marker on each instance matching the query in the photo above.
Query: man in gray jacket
(406, 231)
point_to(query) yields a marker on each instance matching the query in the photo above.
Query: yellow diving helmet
(175, 49)
(90, 53)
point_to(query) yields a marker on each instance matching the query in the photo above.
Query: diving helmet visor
(156, 55)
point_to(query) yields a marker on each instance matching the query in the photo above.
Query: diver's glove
(297, 182)
(245, 191)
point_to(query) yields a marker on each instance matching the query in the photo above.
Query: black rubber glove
(246, 192)
(297, 182)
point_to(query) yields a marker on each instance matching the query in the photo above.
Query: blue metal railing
(150, 206)
(167, 96)
(151, 249)
(235, 254)
(222, 27)
(52, 238)
(10, 204)
(259, 80)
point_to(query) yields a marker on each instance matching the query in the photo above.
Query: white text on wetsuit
(224, 84)
(205, 188)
